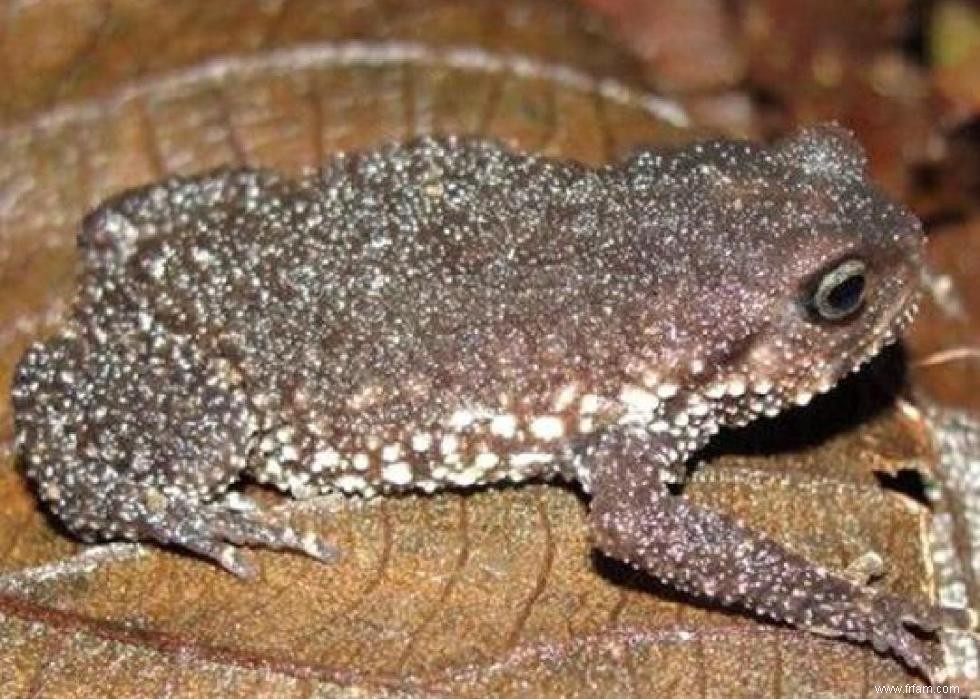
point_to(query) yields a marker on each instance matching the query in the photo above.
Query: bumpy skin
(447, 313)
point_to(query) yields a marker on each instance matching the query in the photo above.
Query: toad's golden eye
(839, 293)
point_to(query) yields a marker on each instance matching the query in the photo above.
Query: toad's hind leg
(125, 441)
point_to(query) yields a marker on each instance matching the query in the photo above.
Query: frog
(450, 312)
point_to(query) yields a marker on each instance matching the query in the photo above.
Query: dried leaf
(815, 60)
(945, 341)
(955, 46)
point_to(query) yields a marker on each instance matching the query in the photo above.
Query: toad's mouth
(774, 392)
(884, 332)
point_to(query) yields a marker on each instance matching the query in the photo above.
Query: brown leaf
(816, 60)
(495, 592)
(945, 342)
(955, 46)
(486, 593)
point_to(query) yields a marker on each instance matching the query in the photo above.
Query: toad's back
(390, 288)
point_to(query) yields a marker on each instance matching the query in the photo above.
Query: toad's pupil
(841, 290)
(847, 295)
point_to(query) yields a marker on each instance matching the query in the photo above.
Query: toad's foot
(912, 649)
(890, 624)
(217, 530)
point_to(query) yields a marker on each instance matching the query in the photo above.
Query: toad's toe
(215, 530)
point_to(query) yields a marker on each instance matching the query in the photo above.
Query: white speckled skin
(448, 313)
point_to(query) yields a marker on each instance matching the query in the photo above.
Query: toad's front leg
(635, 519)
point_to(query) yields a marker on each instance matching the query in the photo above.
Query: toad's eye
(840, 291)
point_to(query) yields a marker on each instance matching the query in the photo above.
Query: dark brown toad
(447, 312)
